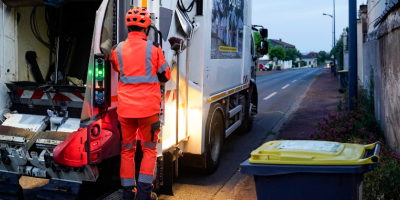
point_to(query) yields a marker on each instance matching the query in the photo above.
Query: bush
(270, 67)
(359, 126)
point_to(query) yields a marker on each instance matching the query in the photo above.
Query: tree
(338, 52)
(323, 55)
(292, 54)
(257, 41)
(278, 52)
(299, 55)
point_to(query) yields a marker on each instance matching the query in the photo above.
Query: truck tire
(247, 123)
(215, 133)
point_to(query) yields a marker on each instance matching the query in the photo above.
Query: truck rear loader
(58, 92)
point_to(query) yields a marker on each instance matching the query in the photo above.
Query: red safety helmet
(138, 17)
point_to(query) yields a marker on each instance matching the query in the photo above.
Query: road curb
(229, 192)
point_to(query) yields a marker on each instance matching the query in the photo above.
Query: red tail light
(95, 156)
(72, 151)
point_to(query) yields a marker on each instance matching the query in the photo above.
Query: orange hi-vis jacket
(142, 66)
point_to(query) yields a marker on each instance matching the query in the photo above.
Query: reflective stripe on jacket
(142, 66)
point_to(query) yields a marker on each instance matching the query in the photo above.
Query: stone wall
(381, 53)
(371, 62)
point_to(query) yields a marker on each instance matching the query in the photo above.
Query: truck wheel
(215, 134)
(247, 124)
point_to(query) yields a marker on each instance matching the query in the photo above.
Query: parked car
(262, 67)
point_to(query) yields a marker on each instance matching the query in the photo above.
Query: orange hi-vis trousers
(150, 129)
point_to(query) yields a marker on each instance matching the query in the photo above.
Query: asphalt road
(277, 92)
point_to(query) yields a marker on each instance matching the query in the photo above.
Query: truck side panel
(225, 71)
(7, 53)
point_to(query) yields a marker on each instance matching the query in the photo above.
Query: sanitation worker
(141, 66)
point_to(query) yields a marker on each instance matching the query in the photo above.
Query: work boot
(153, 196)
(129, 193)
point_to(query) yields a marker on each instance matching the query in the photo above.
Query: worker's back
(138, 60)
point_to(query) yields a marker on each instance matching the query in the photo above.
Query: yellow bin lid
(302, 152)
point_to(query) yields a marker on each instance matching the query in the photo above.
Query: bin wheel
(215, 134)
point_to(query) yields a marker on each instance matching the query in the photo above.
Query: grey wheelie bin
(310, 170)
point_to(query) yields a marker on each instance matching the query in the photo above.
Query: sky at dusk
(301, 23)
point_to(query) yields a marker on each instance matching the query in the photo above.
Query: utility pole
(352, 52)
(334, 33)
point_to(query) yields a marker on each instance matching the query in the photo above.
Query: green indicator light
(100, 72)
(90, 71)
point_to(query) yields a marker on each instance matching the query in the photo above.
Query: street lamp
(333, 30)
(334, 33)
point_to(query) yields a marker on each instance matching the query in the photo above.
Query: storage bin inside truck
(50, 38)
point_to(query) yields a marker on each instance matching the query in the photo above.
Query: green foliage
(384, 181)
(278, 52)
(270, 66)
(257, 41)
(359, 126)
(299, 54)
(322, 56)
(292, 54)
(338, 52)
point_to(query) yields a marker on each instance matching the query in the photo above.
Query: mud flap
(10, 187)
(60, 190)
(167, 174)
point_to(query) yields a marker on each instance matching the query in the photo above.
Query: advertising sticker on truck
(227, 29)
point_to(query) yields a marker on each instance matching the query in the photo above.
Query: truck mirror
(264, 33)
(264, 47)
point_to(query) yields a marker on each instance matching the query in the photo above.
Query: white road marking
(294, 81)
(271, 95)
(285, 86)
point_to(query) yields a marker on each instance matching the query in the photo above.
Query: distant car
(262, 67)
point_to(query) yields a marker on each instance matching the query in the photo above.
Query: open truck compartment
(48, 39)
(45, 107)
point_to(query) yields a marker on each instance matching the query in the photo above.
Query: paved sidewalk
(321, 98)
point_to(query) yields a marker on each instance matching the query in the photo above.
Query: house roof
(275, 43)
(308, 57)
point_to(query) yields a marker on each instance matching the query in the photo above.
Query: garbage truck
(58, 92)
